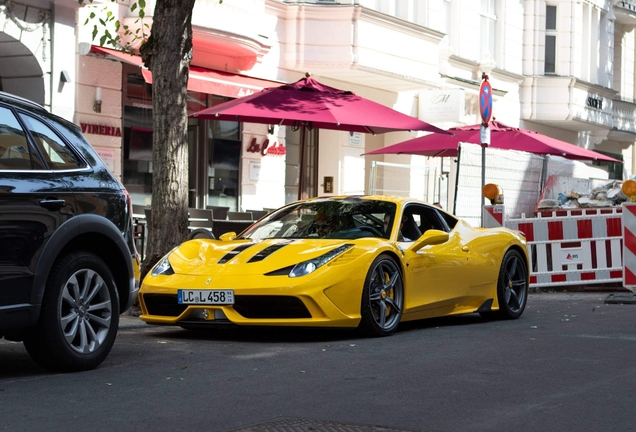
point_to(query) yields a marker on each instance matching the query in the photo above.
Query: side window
(14, 147)
(450, 220)
(55, 152)
(426, 218)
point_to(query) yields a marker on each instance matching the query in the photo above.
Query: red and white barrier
(629, 246)
(494, 215)
(574, 247)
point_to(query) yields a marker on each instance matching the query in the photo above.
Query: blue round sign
(485, 101)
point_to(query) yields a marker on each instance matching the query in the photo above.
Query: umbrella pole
(301, 167)
(459, 154)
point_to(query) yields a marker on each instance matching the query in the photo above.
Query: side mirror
(430, 237)
(228, 236)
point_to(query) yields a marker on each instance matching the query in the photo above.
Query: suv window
(55, 152)
(14, 147)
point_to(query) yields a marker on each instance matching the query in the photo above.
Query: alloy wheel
(515, 283)
(85, 311)
(386, 294)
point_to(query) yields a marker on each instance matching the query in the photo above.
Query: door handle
(465, 248)
(52, 203)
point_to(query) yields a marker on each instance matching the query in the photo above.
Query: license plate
(208, 297)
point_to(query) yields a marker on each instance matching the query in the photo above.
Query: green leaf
(117, 25)
(94, 32)
(141, 13)
(102, 40)
(109, 14)
(142, 3)
(133, 7)
(86, 22)
(92, 15)
(102, 22)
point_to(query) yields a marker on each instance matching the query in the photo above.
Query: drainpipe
(571, 98)
(572, 29)
(357, 9)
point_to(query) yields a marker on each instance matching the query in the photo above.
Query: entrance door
(301, 183)
(195, 189)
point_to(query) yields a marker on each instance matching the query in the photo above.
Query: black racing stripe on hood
(260, 256)
(234, 252)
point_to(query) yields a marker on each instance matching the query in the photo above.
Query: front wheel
(512, 287)
(79, 316)
(382, 298)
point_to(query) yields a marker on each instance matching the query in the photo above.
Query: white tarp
(517, 173)
(562, 167)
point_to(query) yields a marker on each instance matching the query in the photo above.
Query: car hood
(205, 257)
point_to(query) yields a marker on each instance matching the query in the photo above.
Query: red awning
(202, 80)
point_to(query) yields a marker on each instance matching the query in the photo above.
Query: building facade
(564, 68)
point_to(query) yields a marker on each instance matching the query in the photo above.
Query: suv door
(33, 205)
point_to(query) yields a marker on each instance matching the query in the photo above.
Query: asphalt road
(567, 365)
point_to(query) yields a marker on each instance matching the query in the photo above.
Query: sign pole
(485, 109)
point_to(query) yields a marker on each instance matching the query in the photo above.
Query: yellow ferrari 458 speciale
(361, 261)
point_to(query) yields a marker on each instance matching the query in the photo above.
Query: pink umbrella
(311, 105)
(501, 137)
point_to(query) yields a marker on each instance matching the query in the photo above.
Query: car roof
(34, 107)
(391, 198)
(25, 103)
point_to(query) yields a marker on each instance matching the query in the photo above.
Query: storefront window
(214, 148)
(138, 153)
(614, 169)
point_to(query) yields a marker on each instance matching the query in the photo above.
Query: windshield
(348, 218)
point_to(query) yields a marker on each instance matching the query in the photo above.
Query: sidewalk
(616, 296)
(128, 322)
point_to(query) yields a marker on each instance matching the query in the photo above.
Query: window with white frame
(488, 27)
(414, 11)
(371, 4)
(550, 39)
(444, 26)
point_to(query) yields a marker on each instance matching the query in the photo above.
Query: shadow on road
(16, 363)
(298, 334)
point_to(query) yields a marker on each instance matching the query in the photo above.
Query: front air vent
(270, 307)
(163, 305)
(234, 252)
(260, 256)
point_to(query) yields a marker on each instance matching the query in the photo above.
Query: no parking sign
(485, 100)
(485, 109)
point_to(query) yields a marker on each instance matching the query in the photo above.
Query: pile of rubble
(609, 195)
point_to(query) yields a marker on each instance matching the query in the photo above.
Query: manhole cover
(287, 424)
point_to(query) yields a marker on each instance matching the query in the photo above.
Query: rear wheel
(79, 316)
(382, 298)
(512, 287)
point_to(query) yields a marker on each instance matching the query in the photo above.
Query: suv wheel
(79, 317)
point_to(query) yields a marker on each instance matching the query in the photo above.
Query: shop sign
(447, 105)
(107, 155)
(355, 139)
(594, 102)
(100, 130)
(266, 149)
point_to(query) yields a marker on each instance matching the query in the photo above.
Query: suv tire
(79, 316)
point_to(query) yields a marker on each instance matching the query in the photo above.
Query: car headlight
(306, 267)
(163, 267)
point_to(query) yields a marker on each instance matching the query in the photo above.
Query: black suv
(68, 264)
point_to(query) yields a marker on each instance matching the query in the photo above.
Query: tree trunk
(167, 54)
